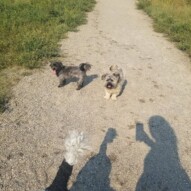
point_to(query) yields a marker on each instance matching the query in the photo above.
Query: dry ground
(149, 124)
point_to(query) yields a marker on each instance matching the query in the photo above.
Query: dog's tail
(84, 67)
(75, 144)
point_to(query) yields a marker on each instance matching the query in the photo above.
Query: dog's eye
(116, 74)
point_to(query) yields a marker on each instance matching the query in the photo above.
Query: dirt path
(152, 117)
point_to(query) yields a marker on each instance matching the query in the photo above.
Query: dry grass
(172, 17)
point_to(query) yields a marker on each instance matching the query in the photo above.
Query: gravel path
(149, 125)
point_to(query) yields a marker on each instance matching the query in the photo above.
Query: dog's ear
(113, 67)
(59, 64)
(50, 64)
(103, 76)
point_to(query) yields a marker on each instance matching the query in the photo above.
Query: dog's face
(111, 80)
(56, 66)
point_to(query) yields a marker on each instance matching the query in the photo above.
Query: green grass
(4, 92)
(31, 29)
(172, 17)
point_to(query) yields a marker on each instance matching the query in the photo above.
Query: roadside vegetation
(172, 17)
(30, 31)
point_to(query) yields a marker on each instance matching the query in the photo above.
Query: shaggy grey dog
(65, 72)
(113, 82)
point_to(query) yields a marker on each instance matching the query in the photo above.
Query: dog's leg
(107, 95)
(114, 97)
(80, 83)
(62, 83)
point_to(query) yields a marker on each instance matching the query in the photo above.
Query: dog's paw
(106, 97)
(60, 85)
(78, 88)
(114, 97)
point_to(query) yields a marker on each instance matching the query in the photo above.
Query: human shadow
(162, 168)
(94, 176)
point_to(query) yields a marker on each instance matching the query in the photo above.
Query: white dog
(113, 82)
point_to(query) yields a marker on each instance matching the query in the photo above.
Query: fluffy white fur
(113, 82)
(75, 144)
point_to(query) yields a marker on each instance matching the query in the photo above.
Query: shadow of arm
(142, 136)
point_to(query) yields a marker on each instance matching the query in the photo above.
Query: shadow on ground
(162, 168)
(87, 80)
(93, 176)
(123, 87)
(90, 79)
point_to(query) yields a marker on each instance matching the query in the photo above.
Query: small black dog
(65, 72)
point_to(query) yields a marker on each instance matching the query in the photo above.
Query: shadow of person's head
(94, 175)
(161, 130)
(110, 135)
